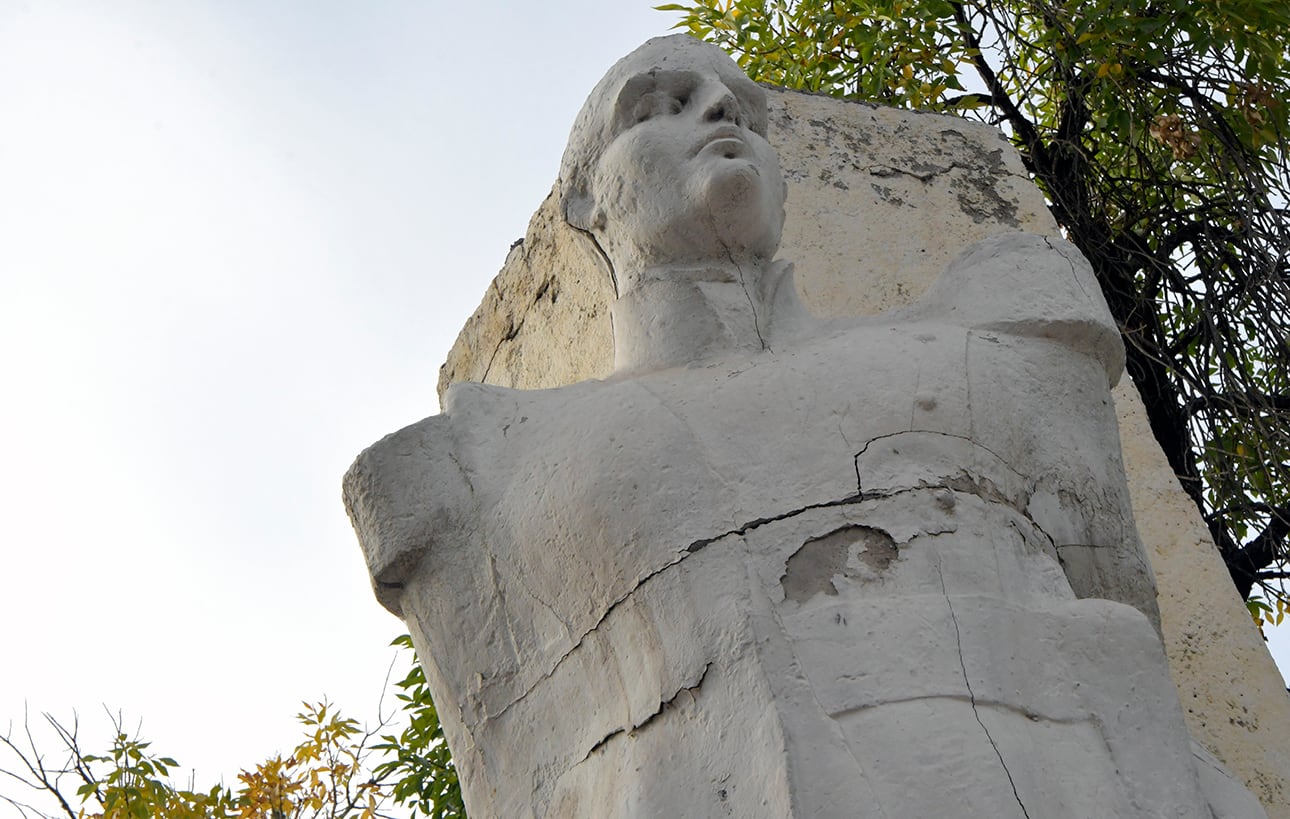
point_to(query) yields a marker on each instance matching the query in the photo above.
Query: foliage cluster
(339, 770)
(418, 764)
(1158, 131)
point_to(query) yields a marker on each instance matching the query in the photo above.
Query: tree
(1157, 129)
(338, 771)
(418, 762)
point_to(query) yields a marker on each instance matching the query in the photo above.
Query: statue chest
(637, 537)
(685, 455)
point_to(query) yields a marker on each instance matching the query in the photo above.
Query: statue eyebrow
(644, 83)
(737, 85)
(632, 91)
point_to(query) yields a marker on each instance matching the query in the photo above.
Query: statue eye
(657, 105)
(646, 107)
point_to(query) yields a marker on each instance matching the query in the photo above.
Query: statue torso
(781, 571)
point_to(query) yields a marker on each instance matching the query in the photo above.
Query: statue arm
(407, 495)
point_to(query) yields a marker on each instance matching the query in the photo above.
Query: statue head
(668, 163)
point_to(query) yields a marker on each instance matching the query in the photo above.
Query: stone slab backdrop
(879, 202)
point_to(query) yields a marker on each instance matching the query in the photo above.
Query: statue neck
(674, 316)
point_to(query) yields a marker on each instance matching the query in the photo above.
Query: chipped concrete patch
(812, 568)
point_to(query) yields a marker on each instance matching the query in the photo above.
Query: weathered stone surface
(870, 224)
(545, 319)
(838, 573)
(1230, 689)
(864, 183)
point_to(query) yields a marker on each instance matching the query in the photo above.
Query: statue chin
(730, 214)
(747, 216)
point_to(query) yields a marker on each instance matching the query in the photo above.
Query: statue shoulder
(408, 495)
(1028, 284)
(418, 491)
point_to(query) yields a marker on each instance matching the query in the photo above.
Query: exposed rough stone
(864, 181)
(1230, 689)
(810, 570)
(544, 320)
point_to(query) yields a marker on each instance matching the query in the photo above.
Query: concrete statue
(776, 566)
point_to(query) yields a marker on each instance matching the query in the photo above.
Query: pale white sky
(236, 241)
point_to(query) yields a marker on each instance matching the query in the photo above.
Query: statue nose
(723, 107)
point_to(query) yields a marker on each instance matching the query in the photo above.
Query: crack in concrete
(958, 642)
(968, 439)
(500, 594)
(860, 709)
(857, 497)
(1074, 275)
(515, 326)
(518, 583)
(599, 622)
(695, 546)
(702, 543)
(743, 285)
(988, 492)
(753, 524)
(662, 707)
(600, 251)
(967, 386)
(983, 488)
(512, 330)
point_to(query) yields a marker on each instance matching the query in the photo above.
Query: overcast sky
(236, 241)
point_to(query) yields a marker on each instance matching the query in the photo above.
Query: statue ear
(581, 210)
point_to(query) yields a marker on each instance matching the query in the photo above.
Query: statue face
(686, 176)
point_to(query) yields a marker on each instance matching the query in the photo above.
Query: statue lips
(728, 140)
